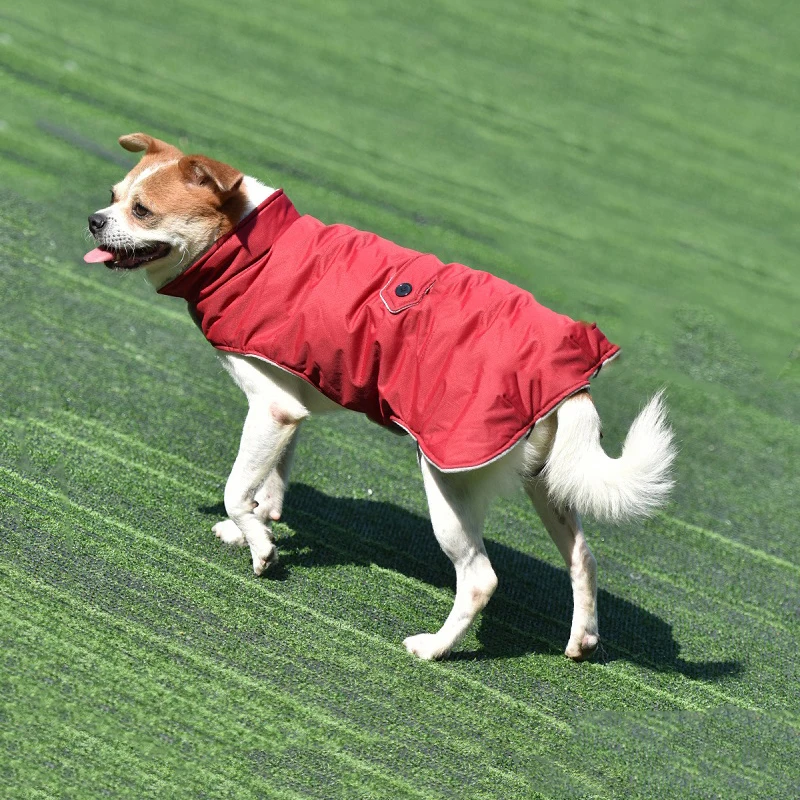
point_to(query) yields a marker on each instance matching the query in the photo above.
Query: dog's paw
(425, 646)
(264, 557)
(270, 498)
(583, 649)
(228, 532)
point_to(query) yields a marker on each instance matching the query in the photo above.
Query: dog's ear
(138, 142)
(222, 179)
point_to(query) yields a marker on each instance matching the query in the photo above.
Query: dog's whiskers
(184, 254)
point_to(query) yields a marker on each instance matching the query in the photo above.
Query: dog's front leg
(564, 527)
(270, 496)
(267, 432)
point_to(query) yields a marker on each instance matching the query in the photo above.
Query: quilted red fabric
(462, 360)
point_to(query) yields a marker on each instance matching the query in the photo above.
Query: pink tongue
(98, 255)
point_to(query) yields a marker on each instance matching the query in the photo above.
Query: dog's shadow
(530, 611)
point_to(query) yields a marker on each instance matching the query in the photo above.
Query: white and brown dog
(492, 386)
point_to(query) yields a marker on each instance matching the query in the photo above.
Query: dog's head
(167, 211)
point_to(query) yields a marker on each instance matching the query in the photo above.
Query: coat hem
(526, 431)
(512, 442)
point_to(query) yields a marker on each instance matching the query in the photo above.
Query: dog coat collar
(250, 241)
(463, 361)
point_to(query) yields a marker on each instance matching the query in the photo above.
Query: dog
(309, 318)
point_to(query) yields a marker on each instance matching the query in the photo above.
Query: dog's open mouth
(127, 258)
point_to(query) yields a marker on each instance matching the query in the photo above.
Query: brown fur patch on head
(172, 186)
(220, 178)
(166, 193)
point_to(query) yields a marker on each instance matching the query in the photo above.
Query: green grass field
(634, 163)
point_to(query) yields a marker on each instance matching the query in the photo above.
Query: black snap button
(403, 289)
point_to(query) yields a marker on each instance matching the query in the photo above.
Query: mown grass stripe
(461, 712)
(670, 579)
(446, 597)
(495, 770)
(262, 728)
(55, 268)
(626, 676)
(209, 736)
(754, 776)
(669, 696)
(133, 352)
(688, 769)
(276, 658)
(133, 442)
(147, 469)
(108, 547)
(119, 754)
(418, 585)
(761, 555)
(286, 602)
(745, 609)
(191, 655)
(45, 610)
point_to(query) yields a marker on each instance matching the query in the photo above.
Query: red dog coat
(462, 360)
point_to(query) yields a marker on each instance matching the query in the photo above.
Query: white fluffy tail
(579, 473)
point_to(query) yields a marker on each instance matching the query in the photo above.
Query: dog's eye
(113, 197)
(140, 211)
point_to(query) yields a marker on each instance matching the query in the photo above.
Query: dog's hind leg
(564, 527)
(458, 505)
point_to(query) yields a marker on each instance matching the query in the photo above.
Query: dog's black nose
(97, 222)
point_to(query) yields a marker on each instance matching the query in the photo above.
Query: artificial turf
(630, 163)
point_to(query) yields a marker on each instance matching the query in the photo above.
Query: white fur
(145, 173)
(580, 475)
(561, 466)
(256, 192)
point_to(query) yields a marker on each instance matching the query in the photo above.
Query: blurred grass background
(631, 163)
